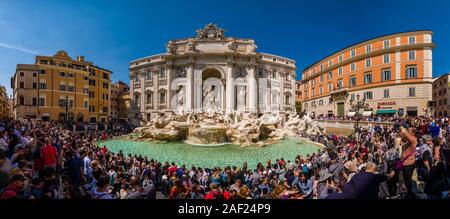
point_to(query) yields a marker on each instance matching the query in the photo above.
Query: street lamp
(357, 106)
(65, 105)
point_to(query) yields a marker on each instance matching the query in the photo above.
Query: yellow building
(56, 86)
(4, 103)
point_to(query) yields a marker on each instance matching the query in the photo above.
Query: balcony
(162, 81)
(137, 85)
(148, 106)
(162, 105)
(149, 83)
(288, 85)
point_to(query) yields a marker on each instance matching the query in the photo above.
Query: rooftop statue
(210, 32)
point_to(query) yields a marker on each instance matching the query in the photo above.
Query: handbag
(399, 164)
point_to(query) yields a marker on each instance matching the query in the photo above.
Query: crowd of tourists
(408, 159)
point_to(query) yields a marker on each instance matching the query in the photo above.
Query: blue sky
(111, 33)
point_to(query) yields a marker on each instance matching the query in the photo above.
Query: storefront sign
(386, 103)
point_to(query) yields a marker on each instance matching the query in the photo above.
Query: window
(386, 44)
(260, 72)
(340, 71)
(330, 87)
(21, 74)
(105, 109)
(353, 53)
(86, 104)
(105, 85)
(386, 93)
(368, 62)
(71, 88)
(149, 98)
(386, 59)
(353, 67)
(162, 72)
(330, 63)
(368, 95)
(313, 82)
(274, 74)
(22, 85)
(368, 78)
(41, 101)
(321, 67)
(386, 75)
(62, 87)
(341, 58)
(412, 91)
(21, 100)
(411, 72)
(91, 108)
(91, 82)
(105, 76)
(411, 55)
(352, 81)
(330, 75)
(91, 94)
(70, 75)
(107, 96)
(368, 48)
(34, 85)
(43, 86)
(321, 78)
(92, 72)
(85, 78)
(320, 90)
(62, 74)
(34, 74)
(85, 91)
(148, 75)
(320, 102)
(162, 97)
(313, 92)
(340, 83)
(352, 97)
(42, 72)
(34, 101)
(412, 40)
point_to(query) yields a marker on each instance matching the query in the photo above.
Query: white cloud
(18, 48)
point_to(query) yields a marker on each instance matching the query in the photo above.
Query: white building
(212, 69)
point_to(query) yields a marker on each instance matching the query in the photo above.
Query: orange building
(55, 83)
(392, 73)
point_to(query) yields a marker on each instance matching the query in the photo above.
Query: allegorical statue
(241, 97)
(180, 101)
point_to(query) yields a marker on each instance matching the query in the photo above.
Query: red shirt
(172, 169)
(49, 155)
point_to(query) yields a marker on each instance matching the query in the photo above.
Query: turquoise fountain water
(183, 153)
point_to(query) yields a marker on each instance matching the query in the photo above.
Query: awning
(351, 114)
(386, 111)
(367, 113)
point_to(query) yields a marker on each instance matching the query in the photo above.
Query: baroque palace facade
(43, 90)
(210, 69)
(392, 73)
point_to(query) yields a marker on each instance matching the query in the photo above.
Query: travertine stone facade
(240, 78)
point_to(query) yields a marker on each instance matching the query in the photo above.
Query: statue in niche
(210, 98)
(241, 97)
(180, 101)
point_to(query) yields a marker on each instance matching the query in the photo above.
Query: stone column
(169, 83)
(230, 98)
(189, 84)
(281, 102)
(253, 92)
(142, 77)
(155, 90)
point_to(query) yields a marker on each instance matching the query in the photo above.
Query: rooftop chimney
(80, 58)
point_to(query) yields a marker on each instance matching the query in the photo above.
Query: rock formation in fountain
(213, 127)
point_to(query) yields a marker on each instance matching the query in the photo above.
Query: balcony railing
(288, 85)
(149, 83)
(162, 81)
